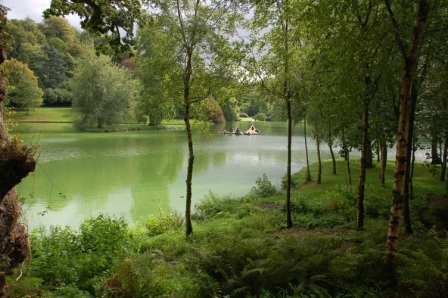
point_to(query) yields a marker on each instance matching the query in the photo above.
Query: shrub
(103, 240)
(263, 189)
(213, 205)
(55, 255)
(155, 225)
(297, 179)
(260, 117)
(83, 258)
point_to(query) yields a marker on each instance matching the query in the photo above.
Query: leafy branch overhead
(111, 18)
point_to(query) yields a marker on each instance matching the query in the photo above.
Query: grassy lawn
(424, 181)
(65, 114)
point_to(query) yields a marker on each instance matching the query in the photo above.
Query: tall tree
(103, 92)
(409, 43)
(279, 46)
(199, 30)
(23, 90)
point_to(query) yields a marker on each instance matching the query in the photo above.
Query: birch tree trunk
(308, 173)
(410, 58)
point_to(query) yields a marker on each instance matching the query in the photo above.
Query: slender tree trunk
(435, 158)
(383, 146)
(330, 146)
(411, 184)
(369, 155)
(378, 151)
(444, 157)
(289, 223)
(287, 96)
(362, 173)
(189, 181)
(410, 64)
(187, 106)
(308, 173)
(346, 156)
(408, 177)
(319, 161)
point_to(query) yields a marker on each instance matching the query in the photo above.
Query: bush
(243, 115)
(156, 225)
(297, 180)
(260, 117)
(263, 189)
(55, 256)
(84, 258)
(213, 205)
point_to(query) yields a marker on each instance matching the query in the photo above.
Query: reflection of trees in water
(103, 166)
(137, 173)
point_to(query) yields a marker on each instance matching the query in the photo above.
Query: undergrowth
(240, 248)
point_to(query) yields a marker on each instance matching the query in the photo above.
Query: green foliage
(263, 189)
(297, 179)
(230, 110)
(213, 111)
(58, 96)
(332, 208)
(430, 211)
(231, 255)
(103, 93)
(424, 268)
(261, 117)
(23, 89)
(154, 225)
(83, 258)
(214, 206)
(53, 253)
(24, 287)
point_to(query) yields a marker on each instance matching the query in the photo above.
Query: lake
(134, 174)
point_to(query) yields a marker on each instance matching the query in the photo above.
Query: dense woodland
(367, 75)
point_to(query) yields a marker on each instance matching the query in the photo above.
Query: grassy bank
(36, 120)
(240, 247)
(48, 115)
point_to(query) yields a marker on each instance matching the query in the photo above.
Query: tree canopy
(23, 90)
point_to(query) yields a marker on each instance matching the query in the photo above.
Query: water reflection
(134, 174)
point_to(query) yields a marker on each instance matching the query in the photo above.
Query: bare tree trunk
(287, 95)
(362, 174)
(289, 223)
(319, 161)
(187, 105)
(408, 177)
(435, 158)
(330, 146)
(189, 181)
(308, 173)
(378, 151)
(444, 157)
(410, 60)
(383, 162)
(346, 156)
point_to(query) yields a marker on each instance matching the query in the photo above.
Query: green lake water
(133, 174)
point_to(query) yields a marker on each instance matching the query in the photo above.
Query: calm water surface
(133, 174)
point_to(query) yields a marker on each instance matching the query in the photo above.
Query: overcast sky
(21, 9)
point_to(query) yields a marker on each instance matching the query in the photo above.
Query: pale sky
(21, 9)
